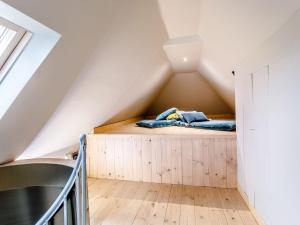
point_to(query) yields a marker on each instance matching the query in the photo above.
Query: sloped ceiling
(110, 63)
(230, 30)
(109, 59)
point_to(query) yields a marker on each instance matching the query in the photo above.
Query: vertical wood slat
(187, 161)
(92, 152)
(219, 167)
(211, 155)
(231, 159)
(147, 158)
(176, 155)
(156, 160)
(128, 158)
(110, 157)
(137, 164)
(101, 144)
(97, 155)
(164, 159)
(207, 148)
(89, 139)
(198, 163)
(119, 156)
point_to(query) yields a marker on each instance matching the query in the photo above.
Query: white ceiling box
(184, 53)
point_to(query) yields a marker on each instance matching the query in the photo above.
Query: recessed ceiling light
(185, 59)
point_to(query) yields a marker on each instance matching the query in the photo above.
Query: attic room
(149, 112)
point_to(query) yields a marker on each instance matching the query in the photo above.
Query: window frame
(15, 47)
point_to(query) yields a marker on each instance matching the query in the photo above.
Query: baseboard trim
(254, 212)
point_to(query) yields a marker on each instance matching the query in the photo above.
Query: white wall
(124, 70)
(109, 60)
(268, 109)
(189, 91)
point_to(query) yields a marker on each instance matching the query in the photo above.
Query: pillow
(223, 125)
(155, 123)
(166, 113)
(179, 113)
(173, 116)
(190, 117)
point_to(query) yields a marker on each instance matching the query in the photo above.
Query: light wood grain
(132, 128)
(187, 206)
(110, 157)
(170, 159)
(156, 161)
(136, 143)
(166, 145)
(173, 210)
(115, 202)
(113, 126)
(176, 156)
(147, 158)
(253, 211)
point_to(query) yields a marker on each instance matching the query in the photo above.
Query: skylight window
(13, 39)
(24, 50)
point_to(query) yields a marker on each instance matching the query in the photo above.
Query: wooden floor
(116, 202)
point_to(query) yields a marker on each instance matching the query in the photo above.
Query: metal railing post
(62, 199)
(77, 197)
(66, 211)
(83, 180)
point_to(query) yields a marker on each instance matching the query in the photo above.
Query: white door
(260, 148)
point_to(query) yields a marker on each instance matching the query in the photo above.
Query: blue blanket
(223, 125)
(180, 123)
(155, 123)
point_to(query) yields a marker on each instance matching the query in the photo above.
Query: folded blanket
(155, 123)
(181, 124)
(223, 125)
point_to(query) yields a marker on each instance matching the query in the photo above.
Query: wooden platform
(172, 155)
(115, 202)
(171, 159)
(129, 127)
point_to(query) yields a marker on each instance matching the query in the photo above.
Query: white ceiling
(230, 30)
(184, 53)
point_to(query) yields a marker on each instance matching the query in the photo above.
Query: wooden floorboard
(113, 202)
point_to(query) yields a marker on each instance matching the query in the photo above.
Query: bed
(172, 155)
(187, 119)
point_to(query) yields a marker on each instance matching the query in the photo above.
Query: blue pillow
(190, 117)
(166, 113)
(223, 125)
(180, 115)
(155, 123)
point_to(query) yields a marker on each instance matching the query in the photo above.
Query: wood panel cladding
(171, 159)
